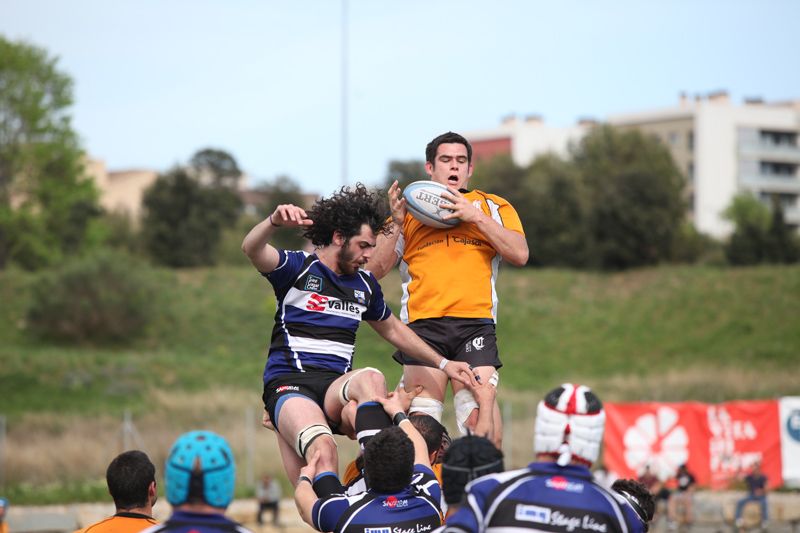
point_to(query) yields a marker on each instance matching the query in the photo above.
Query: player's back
(543, 497)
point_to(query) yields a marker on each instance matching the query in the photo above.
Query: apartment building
(721, 147)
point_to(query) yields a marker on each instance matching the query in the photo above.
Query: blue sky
(155, 80)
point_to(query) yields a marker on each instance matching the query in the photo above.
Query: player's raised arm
(256, 243)
(385, 257)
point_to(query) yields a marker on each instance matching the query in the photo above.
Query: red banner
(718, 442)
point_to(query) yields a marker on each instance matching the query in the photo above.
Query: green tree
(555, 214)
(216, 167)
(635, 189)
(184, 218)
(782, 241)
(406, 172)
(751, 219)
(47, 206)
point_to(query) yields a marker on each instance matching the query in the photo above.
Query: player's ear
(429, 168)
(338, 238)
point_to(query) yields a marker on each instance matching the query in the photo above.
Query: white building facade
(722, 148)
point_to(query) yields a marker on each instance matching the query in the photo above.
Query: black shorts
(312, 384)
(471, 340)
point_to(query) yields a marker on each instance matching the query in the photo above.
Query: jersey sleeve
(470, 516)
(425, 480)
(289, 264)
(378, 309)
(327, 511)
(502, 211)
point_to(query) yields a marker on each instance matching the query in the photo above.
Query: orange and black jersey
(452, 272)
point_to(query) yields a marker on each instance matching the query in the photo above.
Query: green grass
(554, 325)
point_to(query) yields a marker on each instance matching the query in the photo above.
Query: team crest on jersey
(477, 204)
(532, 513)
(360, 297)
(313, 283)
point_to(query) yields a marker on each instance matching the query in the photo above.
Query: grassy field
(672, 333)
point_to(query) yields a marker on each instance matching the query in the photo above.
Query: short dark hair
(638, 497)
(346, 211)
(431, 430)
(128, 477)
(468, 458)
(389, 461)
(446, 138)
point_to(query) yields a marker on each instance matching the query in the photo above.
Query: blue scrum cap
(200, 463)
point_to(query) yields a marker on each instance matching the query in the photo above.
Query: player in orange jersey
(449, 297)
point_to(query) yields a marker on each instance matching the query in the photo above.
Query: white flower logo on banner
(657, 440)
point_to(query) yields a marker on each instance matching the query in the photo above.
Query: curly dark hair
(389, 461)
(639, 498)
(346, 211)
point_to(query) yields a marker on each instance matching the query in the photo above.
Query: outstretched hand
(462, 372)
(398, 402)
(397, 203)
(290, 215)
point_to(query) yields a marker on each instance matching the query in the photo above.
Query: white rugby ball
(422, 201)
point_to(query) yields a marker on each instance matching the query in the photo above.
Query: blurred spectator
(3, 509)
(680, 508)
(200, 476)
(603, 477)
(268, 494)
(656, 487)
(756, 483)
(131, 480)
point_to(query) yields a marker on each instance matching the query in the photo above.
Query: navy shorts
(471, 340)
(312, 384)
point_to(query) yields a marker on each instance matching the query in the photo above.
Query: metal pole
(508, 438)
(344, 92)
(249, 442)
(2, 452)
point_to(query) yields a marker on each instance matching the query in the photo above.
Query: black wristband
(399, 417)
(273, 222)
(304, 478)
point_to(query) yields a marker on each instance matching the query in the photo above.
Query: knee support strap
(309, 434)
(428, 406)
(343, 396)
(464, 402)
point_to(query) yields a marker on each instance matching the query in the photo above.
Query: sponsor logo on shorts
(561, 483)
(532, 513)
(393, 503)
(284, 388)
(313, 283)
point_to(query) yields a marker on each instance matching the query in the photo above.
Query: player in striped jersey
(403, 493)
(556, 493)
(322, 297)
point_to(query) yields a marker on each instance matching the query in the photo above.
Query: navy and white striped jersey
(543, 497)
(192, 522)
(414, 509)
(317, 315)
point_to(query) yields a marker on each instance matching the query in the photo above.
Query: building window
(778, 138)
(690, 171)
(690, 141)
(673, 138)
(787, 200)
(780, 170)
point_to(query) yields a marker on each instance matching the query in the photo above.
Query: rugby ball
(422, 201)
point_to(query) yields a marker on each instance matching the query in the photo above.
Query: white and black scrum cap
(569, 424)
